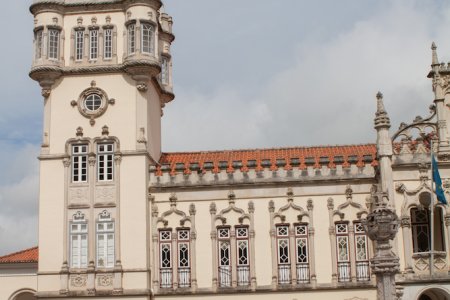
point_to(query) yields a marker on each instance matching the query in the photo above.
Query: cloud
(327, 94)
(18, 197)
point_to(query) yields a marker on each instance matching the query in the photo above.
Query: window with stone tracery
(179, 257)
(420, 230)
(301, 259)
(243, 256)
(79, 44)
(131, 30)
(224, 241)
(362, 253)
(343, 252)
(93, 44)
(53, 43)
(108, 43)
(147, 38)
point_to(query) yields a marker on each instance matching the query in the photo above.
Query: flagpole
(433, 185)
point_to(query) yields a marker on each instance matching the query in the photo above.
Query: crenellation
(164, 177)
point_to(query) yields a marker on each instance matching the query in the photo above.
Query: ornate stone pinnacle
(382, 119)
(434, 58)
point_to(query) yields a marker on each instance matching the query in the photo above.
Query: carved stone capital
(92, 159)
(405, 222)
(66, 162)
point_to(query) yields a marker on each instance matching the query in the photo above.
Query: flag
(437, 181)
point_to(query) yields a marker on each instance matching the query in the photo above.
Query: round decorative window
(93, 102)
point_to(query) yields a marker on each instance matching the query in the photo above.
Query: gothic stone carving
(78, 195)
(105, 280)
(78, 281)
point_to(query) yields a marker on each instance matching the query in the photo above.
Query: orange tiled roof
(24, 256)
(258, 159)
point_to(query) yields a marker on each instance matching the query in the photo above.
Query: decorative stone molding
(78, 281)
(96, 113)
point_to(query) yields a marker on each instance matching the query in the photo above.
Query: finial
(434, 58)
(382, 118)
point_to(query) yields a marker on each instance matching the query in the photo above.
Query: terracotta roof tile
(24, 256)
(258, 159)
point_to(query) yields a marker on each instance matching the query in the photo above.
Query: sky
(247, 74)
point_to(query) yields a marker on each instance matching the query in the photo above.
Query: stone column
(293, 255)
(233, 263)
(274, 246)
(251, 210)
(381, 226)
(118, 263)
(447, 225)
(332, 233)
(155, 245)
(174, 259)
(213, 211)
(91, 225)
(64, 274)
(192, 212)
(407, 242)
(311, 254)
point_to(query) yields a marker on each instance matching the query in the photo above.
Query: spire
(381, 117)
(434, 58)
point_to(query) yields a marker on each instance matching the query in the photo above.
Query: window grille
(147, 38)
(184, 270)
(243, 260)
(301, 238)
(362, 256)
(53, 43)
(105, 244)
(343, 254)
(93, 48)
(105, 158)
(79, 44)
(224, 257)
(131, 39)
(108, 36)
(284, 267)
(79, 163)
(93, 102)
(39, 38)
(78, 244)
(420, 230)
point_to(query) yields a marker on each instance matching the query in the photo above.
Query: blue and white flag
(438, 182)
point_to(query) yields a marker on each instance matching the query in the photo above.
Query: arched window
(53, 43)
(147, 38)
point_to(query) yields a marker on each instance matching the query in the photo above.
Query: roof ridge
(274, 148)
(19, 252)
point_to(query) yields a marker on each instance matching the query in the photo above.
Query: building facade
(120, 219)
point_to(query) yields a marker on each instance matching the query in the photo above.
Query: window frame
(39, 42)
(79, 44)
(82, 158)
(131, 38)
(79, 233)
(149, 38)
(105, 220)
(105, 157)
(93, 43)
(54, 43)
(108, 34)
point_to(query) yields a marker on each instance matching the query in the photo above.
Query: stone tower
(105, 72)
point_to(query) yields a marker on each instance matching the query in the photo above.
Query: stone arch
(24, 294)
(434, 293)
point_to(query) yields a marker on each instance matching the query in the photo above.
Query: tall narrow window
(165, 71)
(108, 37)
(420, 230)
(39, 38)
(105, 241)
(79, 44)
(79, 163)
(343, 253)
(78, 242)
(284, 263)
(362, 255)
(301, 241)
(147, 38)
(93, 46)
(165, 258)
(105, 162)
(53, 43)
(224, 257)
(131, 39)
(184, 267)
(243, 262)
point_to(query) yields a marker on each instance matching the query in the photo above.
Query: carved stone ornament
(93, 102)
(46, 92)
(105, 280)
(142, 87)
(78, 281)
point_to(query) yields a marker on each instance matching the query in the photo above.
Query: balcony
(166, 277)
(284, 274)
(344, 272)
(224, 276)
(362, 271)
(303, 273)
(243, 275)
(184, 277)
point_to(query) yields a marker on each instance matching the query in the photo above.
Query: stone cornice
(62, 7)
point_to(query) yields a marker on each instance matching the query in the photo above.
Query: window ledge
(441, 254)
